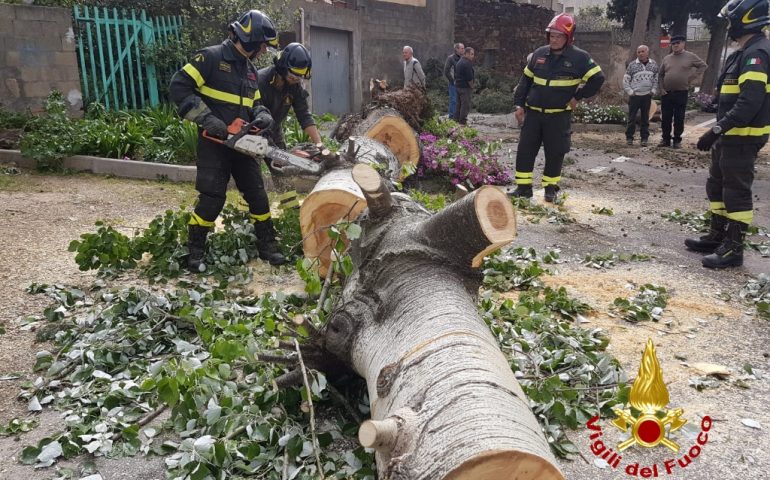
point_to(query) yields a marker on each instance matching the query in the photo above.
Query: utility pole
(640, 26)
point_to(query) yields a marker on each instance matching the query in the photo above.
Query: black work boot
(266, 243)
(550, 193)
(708, 243)
(664, 143)
(730, 252)
(196, 244)
(522, 191)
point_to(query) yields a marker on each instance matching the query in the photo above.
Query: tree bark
(640, 26)
(714, 57)
(444, 401)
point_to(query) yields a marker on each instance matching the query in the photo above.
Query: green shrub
(153, 134)
(493, 101)
(9, 119)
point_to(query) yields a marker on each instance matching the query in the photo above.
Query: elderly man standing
(640, 83)
(413, 74)
(449, 73)
(677, 71)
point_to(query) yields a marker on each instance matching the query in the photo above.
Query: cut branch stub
(376, 193)
(486, 220)
(379, 434)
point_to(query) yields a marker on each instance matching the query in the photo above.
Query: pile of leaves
(164, 241)
(757, 291)
(647, 304)
(697, 222)
(455, 152)
(610, 259)
(536, 212)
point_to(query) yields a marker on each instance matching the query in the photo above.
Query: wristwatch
(716, 130)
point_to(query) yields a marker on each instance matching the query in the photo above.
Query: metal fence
(112, 49)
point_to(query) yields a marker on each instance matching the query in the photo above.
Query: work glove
(707, 140)
(214, 127)
(262, 117)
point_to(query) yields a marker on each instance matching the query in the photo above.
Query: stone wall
(37, 55)
(503, 34)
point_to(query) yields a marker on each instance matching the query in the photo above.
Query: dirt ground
(40, 214)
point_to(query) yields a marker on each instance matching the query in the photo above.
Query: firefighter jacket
(217, 80)
(550, 81)
(280, 99)
(744, 94)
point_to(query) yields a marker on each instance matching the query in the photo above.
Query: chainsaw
(243, 137)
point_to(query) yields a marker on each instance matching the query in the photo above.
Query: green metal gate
(112, 48)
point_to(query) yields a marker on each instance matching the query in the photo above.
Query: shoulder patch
(540, 60)
(251, 76)
(198, 58)
(754, 61)
(225, 67)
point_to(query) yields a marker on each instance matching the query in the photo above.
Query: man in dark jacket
(544, 99)
(464, 77)
(218, 86)
(281, 89)
(743, 124)
(449, 73)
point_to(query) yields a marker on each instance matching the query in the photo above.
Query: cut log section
(336, 197)
(387, 127)
(445, 403)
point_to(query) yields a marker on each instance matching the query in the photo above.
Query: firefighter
(544, 99)
(281, 89)
(218, 86)
(743, 123)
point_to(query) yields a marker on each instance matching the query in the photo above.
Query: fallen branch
(313, 438)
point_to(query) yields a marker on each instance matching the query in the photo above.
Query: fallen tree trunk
(444, 401)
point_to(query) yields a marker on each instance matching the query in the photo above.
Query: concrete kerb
(111, 166)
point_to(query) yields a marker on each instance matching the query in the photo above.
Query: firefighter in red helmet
(556, 77)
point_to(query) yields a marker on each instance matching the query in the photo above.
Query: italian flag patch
(754, 61)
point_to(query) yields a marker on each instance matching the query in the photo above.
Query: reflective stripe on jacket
(550, 81)
(744, 94)
(223, 78)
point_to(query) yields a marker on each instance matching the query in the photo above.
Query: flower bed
(455, 152)
(588, 113)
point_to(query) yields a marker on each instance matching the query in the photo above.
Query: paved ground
(41, 214)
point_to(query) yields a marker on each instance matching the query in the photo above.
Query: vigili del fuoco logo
(649, 424)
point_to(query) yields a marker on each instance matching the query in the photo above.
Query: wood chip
(712, 369)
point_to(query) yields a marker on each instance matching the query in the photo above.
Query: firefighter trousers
(730, 177)
(552, 131)
(216, 163)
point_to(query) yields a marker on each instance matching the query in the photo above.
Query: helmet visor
(300, 72)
